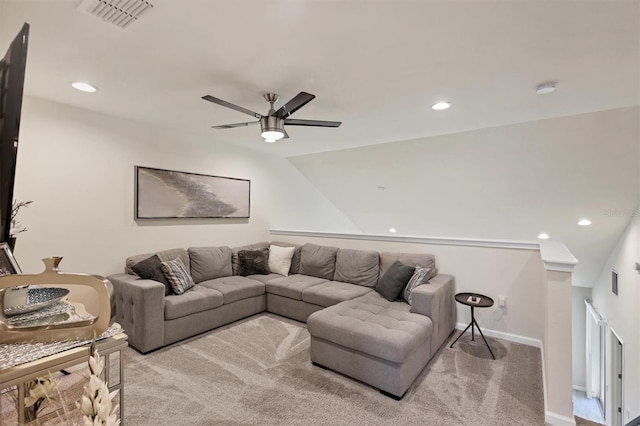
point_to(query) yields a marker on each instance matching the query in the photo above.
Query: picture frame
(8, 264)
(171, 194)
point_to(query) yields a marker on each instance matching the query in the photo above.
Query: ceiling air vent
(120, 13)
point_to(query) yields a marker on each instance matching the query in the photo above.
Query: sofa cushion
(251, 262)
(196, 299)
(394, 280)
(176, 273)
(357, 267)
(295, 260)
(410, 259)
(280, 259)
(208, 263)
(416, 280)
(264, 278)
(372, 325)
(235, 250)
(318, 261)
(150, 269)
(331, 292)
(293, 285)
(235, 288)
(164, 255)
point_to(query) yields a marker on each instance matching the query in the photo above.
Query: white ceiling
(378, 66)
(375, 65)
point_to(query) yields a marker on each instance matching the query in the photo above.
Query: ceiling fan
(272, 124)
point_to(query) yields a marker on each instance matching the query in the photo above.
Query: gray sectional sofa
(354, 330)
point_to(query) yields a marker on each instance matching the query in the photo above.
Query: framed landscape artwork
(168, 194)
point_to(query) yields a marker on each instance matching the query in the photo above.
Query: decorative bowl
(38, 298)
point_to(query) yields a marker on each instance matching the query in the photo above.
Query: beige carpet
(258, 371)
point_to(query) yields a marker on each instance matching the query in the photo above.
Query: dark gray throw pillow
(149, 269)
(253, 262)
(394, 280)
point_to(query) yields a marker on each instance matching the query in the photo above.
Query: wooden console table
(16, 377)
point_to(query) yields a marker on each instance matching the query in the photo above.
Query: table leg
(485, 340)
(473, 320)
(460, 335)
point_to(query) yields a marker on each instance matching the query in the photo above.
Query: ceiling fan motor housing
(270, 123)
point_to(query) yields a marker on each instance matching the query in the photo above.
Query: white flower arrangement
(96, 404)
(38, 391)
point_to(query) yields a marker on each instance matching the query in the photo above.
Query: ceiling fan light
(272, 135)
(440, 106)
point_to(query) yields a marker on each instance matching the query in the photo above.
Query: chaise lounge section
(354, 329)
(382, 343)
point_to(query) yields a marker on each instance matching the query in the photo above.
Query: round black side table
(474, 300)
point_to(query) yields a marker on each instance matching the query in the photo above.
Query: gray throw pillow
(150, 269)
(416, 280)
(394, 280)
(164, 255)
(253, 262)
(234, 257)
(420, 259)
(177, 275)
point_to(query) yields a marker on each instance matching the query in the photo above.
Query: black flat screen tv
(12, 71)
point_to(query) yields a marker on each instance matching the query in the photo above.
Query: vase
(30, 413)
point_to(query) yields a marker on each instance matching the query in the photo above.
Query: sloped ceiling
(509, 182)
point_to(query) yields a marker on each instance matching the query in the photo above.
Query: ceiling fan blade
(316, 123)
(298, 101)
(230, 105)
(231, 126)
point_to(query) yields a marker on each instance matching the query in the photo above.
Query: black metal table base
(471, 324)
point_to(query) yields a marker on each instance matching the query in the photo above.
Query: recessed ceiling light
(546, 88)
(392, 230)
(543, 236)
(439, 106)
(584, 222)
(83, 87)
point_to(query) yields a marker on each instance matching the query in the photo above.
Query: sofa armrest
(140, 310)
(436, 299)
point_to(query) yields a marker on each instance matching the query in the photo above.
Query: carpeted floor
(258, 371)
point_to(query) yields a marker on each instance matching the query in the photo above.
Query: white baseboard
(529, 341)
(554, 419)
(580, 388)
